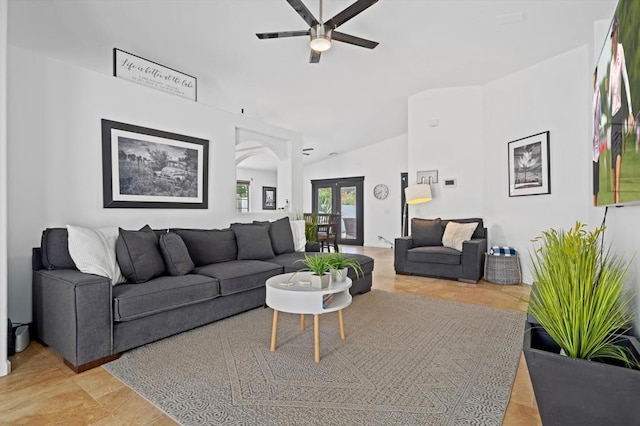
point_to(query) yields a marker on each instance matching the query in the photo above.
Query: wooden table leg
(274, 330)
(302, 325)
(341, 320)
(316, 337)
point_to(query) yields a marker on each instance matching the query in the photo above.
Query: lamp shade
(417, 194)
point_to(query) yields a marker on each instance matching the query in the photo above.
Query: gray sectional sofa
(424, 254)
(204, 276)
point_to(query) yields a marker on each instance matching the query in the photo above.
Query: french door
(344, 197)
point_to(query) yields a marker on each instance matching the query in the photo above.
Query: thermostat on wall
(450, 183)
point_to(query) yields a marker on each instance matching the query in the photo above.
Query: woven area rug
(407, 360)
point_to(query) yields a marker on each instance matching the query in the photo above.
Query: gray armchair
(423, 254)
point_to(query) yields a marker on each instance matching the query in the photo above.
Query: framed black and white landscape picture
(529, 166)
(268, 198)
(148, 168)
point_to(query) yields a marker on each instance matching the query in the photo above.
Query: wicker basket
(502, 269)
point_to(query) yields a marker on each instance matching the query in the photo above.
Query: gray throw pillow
(426, 232)
(55, 249)
(207, 246)
(281, 235)
(138, 255)
(175, 254)
(254, 242)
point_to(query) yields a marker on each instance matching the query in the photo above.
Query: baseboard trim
(89, 365)
(5, 368)
(468, 281)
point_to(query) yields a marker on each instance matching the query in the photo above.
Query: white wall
(552, 95)
(5, 365)
(469, 143)
(55, 169)
(445, 134)
(258, 179)
(382, 162)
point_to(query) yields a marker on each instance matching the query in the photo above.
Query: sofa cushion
(139, 255)
(434, 254)
(456, 233)
(289, 261)
(281, 236)
(240, 275)
(253, 241)
(94, 251)
(478, 233)
(426, 232)
(208, 246)
(175, 254)
(55, 249)
(131, 301)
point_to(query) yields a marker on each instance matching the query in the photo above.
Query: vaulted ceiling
(354, 96)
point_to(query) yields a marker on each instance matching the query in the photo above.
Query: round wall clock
(381, 191)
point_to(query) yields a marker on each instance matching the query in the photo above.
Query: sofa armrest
(72, 313)
(473, 258)
(400, 249)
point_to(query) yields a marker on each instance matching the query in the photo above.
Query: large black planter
(572, 391)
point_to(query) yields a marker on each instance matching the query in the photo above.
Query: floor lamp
(414, 194)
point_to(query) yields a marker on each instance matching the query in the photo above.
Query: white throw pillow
(455, 233)
(299, 237)
(94, 251)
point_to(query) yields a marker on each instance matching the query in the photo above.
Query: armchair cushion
(434, 254)
(455, 233)
(426, 232)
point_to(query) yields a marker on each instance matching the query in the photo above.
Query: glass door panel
(344, 197)
(325, 200)
(348, 204)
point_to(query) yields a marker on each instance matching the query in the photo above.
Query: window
(242, 196)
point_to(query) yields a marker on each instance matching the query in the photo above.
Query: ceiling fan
(305, 151)
(323, 33)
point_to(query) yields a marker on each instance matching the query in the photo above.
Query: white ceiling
(354, 96)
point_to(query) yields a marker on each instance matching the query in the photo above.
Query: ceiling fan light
(320, 44)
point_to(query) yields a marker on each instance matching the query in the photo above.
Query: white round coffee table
(292, 293)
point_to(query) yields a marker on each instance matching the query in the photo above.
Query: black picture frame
(269, 198)
(529, 165)
(149, 168)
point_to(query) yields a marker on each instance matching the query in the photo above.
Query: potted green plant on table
(580, 303)
(319, 265)
(340, 265)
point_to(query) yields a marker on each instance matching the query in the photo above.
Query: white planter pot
(339, 275)
(320, 281)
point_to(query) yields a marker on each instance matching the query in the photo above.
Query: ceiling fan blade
(315, 57)
(304, 12)
(305, 153)
(307, 149)
(282, 34)
(348, 13)
(346, 38)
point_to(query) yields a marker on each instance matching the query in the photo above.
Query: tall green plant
(311, 228)
(579, 296)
